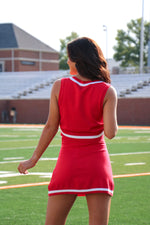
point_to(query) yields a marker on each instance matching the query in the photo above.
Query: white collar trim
(86, 84)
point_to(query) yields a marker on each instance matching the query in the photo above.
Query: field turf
(130, 157)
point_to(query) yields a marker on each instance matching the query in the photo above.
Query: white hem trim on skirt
(80, 191)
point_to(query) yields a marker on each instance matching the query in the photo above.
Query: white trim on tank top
(86, 84)
(83, 137)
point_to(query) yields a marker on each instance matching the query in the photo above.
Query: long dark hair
(89, 59)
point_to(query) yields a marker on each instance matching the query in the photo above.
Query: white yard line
(129, 142)
(28, 129)
(9, 135)
(136, 137)
(13, 174)
(14, 161)
(5, 172)
(46, 159)
(55, 158)
(17, 148)
(16, 140)
(3, 182)
(12, 158)
(17, 161)
(135, 164)
(129, 153)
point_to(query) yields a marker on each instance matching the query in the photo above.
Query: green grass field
(129, 153)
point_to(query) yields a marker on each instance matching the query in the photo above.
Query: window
(29, 63)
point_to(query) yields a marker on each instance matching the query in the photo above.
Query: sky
(52, 20)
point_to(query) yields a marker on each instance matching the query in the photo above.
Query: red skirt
(83, 167)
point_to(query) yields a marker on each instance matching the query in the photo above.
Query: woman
(84, 106)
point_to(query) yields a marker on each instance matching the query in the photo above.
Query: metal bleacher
(37, 85)
(131, 85)
(22, 85)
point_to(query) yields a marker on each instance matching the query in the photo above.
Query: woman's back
(81, 106)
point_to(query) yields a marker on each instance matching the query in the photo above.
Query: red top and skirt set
(83, 164)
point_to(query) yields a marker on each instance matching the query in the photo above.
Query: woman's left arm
(110, 113)
(48, 133)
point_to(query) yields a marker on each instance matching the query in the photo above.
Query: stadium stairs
(37, 85)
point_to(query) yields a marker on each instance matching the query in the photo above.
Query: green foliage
(127, 49)
(63, 51)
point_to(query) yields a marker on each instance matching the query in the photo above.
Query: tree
(63, 51)
(127, 49)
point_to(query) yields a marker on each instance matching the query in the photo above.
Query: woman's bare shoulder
(111, 92)
(57, 83)
(56, 87)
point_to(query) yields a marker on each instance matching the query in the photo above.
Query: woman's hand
(25, 165)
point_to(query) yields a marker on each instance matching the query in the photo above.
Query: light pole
(142, 39)
(105, 29)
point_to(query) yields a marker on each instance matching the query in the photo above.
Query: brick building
(19, 51)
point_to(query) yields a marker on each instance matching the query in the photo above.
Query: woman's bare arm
(110, 113)
(49, 131)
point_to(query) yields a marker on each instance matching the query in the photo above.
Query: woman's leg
(99, 208)
(58, 208)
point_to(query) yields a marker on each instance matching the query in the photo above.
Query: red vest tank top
(81, 106)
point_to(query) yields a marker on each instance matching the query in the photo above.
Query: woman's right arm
(48, 132)
(110, 113)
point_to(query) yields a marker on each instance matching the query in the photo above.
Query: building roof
(12, 36)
